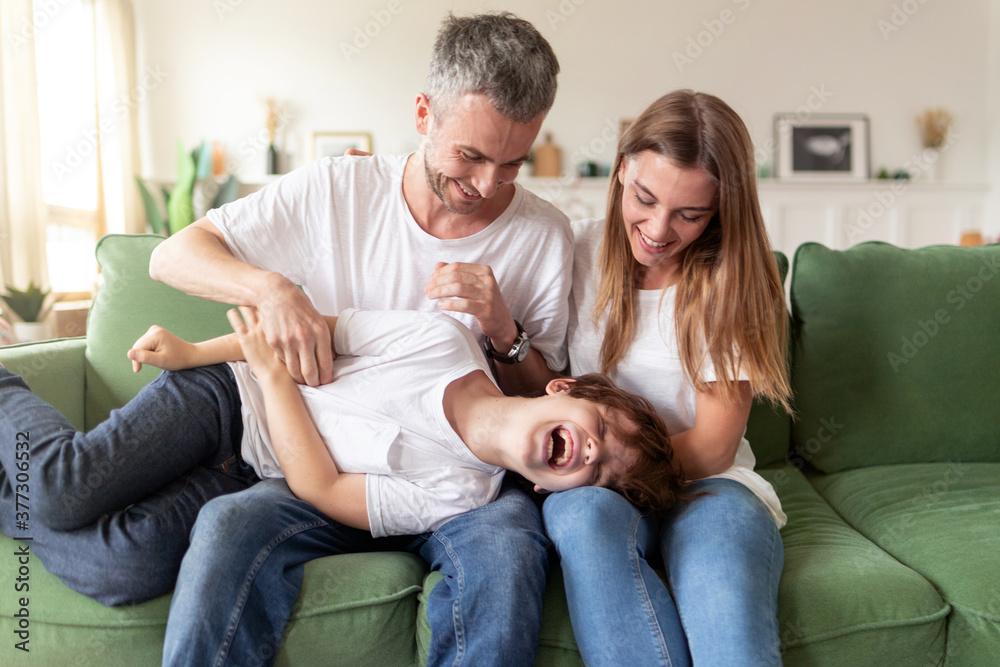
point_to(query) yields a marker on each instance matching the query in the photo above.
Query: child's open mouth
(560, 447)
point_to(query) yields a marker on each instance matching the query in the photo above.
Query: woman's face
(665, 208)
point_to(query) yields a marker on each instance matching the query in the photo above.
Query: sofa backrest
(769, 428)
(896, 355)
(128, 302)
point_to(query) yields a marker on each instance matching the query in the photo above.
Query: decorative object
(195, 191)
(933, 125)
(971, 237)
(29, 305)
(822, 147)
(275, 111)
(335, 144)
(548, 159)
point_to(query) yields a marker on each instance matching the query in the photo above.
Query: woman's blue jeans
(723, 557)
(110, 511)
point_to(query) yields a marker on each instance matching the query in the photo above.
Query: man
(442, 228)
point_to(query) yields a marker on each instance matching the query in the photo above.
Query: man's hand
(158, 347)
(472, 288)
(297, 332)
(259, 354)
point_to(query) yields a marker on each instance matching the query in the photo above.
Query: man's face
(472, 150)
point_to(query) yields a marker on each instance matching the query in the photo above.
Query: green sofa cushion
(942, 520)
(769, 428)
(842, 599)
(896, 355)
(128, 302)
(354, 609)
(35, 363)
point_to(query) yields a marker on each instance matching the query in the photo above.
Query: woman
(677, 296)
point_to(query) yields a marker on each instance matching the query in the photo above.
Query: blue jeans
(110, 510)
(723, 558)
(243, 571)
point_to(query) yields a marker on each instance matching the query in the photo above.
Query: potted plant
(29, 305)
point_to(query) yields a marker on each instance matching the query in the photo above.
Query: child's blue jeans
(110, 511)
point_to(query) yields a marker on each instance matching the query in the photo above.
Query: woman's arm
(305, 461)
(709, 447)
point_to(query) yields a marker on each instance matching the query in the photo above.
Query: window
(65, 60)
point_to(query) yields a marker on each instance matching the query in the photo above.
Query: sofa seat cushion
(354, 609)
(842, 599)
(942, 520)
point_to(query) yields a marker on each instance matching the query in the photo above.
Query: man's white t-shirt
(340, 228)
(652, 366)
(383, 415)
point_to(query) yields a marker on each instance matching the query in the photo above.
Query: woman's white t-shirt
(652, 366)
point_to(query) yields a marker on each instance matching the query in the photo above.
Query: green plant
(192, 169)
(27, 304)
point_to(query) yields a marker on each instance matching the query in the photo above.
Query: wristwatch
(518, 351)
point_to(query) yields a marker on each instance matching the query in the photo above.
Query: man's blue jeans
(243, 571)
(723, 558)
(162, 456)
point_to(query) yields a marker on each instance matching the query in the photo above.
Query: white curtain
(22, 208)
(119, 96)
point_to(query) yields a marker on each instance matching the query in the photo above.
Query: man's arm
(198, 261)
(310, 471)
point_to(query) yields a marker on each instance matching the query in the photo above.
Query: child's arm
(158, 347)
(305, 461)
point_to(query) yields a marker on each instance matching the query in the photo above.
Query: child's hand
(262, 358)
(158, 347)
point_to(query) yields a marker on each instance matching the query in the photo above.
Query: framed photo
(335, 144)
(822, 147)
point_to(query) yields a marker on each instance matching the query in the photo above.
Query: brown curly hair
(654, 480)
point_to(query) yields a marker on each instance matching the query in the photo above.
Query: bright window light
(64, 58)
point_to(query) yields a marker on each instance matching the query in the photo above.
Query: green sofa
(890, 476)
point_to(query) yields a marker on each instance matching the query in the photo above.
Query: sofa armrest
(54, 370)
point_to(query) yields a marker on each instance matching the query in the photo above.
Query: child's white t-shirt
(383, 414)
(340, 228)
(652, 366)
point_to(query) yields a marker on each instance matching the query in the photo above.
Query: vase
(272, 159)
(29, 332)
(931, 165)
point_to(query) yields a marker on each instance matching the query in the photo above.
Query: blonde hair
(730, 304)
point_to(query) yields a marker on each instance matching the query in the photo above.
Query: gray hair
(497, 55)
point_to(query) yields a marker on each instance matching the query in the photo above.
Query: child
(411, 432)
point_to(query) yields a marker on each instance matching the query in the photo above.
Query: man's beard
(439, 183)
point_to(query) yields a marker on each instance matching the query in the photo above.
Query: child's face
(567, 442)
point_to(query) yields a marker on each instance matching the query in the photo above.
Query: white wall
(222, 57)
(992, 230)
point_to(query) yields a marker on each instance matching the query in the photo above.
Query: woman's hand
(158, 347)
(262, 358)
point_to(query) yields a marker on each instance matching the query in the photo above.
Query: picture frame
(822, 147)
(335, 144)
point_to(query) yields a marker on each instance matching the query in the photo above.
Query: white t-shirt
(652, 366)
(340, 228)
(383, 415)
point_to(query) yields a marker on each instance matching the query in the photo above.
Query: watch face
(523, 344)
